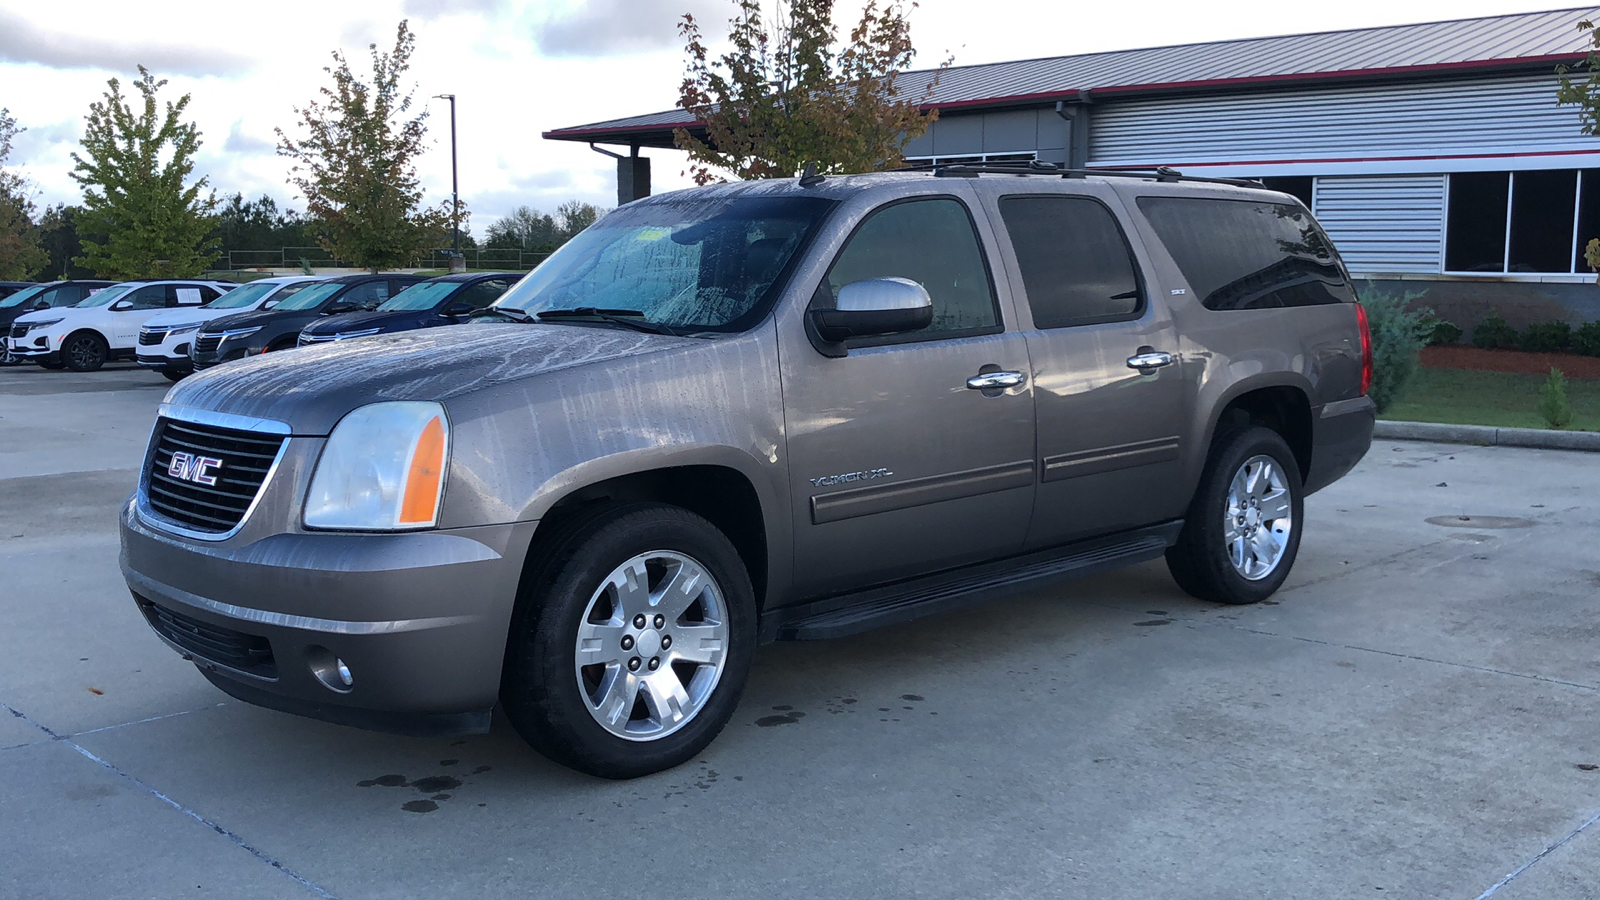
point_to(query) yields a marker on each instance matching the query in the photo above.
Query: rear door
(897, 468)
(1109, 389)
(144, 302)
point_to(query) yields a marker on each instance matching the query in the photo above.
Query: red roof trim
(1360, 159)
(1270, 79)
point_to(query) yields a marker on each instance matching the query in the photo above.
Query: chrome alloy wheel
(1259, 518)
(652, 645)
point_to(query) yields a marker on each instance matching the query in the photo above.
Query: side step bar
(906, 600)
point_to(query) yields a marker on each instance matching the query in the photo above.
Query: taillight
(1366, 350)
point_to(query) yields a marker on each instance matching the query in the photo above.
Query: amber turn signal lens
(421, 502)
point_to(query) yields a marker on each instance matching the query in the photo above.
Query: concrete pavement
(1408, 717)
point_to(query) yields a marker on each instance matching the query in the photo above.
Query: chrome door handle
(993, 381)
(1149, 359)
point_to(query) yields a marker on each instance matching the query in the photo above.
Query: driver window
(931, 242)
(483, 293)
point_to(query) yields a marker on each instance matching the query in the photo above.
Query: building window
(974, 160)
(1296, 186)
(1521, 223)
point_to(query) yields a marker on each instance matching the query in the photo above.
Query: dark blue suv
(448, 300)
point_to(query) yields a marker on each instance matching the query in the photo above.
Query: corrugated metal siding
(1392, 224)
(1484, 115)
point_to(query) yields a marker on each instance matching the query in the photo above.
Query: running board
(903, 601)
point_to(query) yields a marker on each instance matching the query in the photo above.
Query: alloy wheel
(1259, 518)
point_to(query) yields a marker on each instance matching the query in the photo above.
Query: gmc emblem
(188, 467)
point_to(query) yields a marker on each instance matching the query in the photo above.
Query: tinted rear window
(1076, 265)
(1248, 254)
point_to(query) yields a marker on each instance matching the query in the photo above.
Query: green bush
(1545, 337)
(1398, 335)
(1586, 339)
(1444, 333)
(1553, 407)
(1493, 334)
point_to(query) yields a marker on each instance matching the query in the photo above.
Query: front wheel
(1243, 528)
(84, 351)
(174, 374)
(631, 642)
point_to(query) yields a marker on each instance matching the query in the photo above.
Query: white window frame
(1505, 258)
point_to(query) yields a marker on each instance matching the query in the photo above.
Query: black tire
(1199, 561)
(539, 688)
(173, 374)
(84, 351)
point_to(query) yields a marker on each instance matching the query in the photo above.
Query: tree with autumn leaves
(788, 94)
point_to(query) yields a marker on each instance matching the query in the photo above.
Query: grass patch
(1469, 397)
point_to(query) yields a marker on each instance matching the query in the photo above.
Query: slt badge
(188, 467)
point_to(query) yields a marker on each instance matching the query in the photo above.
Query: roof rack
(1039, 167)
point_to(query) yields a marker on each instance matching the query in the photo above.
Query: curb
(1488, 436)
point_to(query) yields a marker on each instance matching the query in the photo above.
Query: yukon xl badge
(188, 467)
(865, 475)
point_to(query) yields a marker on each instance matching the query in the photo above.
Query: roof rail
(1039, 167)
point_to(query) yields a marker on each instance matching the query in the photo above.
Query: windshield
(311, 297)
(707, 263)
(426, 295)
(251, 294)
(107, 296)
(25, 295)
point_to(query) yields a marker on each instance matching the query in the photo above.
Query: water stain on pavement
(1152, 622)
(437, 785)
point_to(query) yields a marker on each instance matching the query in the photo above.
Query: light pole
(455, 194)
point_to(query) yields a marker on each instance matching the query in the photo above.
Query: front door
(898, 467)
(1110, 431)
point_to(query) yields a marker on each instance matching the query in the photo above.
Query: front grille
(247, 653)
(207, 343)
(245, 457)
(149, 338)
(19, 330)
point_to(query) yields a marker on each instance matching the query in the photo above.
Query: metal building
(1432, 153)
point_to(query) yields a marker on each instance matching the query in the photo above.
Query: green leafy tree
(20, 253)
(355, 164)
(259, 227)
(1399, 330)
(58, 233)
(788, 94)
(1553, 405)
(143, 216)
(526, 228)
(573, 217)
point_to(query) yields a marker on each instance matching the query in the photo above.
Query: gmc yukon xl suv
(777, 410)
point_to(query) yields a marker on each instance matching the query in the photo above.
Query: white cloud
(25, 41)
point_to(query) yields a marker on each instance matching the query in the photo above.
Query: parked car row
(175, 327)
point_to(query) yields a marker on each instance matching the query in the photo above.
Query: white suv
(164, 339)
(105, 326)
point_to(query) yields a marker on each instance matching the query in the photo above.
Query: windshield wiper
(509, 312)
(627, 318)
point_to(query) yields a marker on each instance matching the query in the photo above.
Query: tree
(356, 164)
(259, 226)
(573, 217)
(20, 253)
(526, 228)
(787, 96)
(58, 233)
(142, 216)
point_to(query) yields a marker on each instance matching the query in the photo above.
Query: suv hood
(250, 318)
(360, 321)
(189, 315)
(311, 388)
(58, 312)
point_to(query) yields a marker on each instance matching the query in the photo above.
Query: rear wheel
(173, 374)
(631, 642)
(1243, 528)
(84, 351)
(45, 364)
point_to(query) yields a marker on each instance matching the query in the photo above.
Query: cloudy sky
(518, 68)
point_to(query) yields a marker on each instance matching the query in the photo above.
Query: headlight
(240, 332)
(382, 469)
(45, 323)
(184, 329)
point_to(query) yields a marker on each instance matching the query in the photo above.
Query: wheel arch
(1282, 404)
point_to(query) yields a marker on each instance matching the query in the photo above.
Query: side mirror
(459, 308)
(342, 307)
(873, 307)
(122, 305)
(41, 305)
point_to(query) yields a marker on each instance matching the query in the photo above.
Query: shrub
(1444, 333)
(1553, 406)
(1545, 337)
(1586, 340)
(1398, 335)
(1493, 334)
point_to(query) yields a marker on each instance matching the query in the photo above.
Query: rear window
(1248, 254)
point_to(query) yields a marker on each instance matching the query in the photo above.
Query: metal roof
(1432, 48)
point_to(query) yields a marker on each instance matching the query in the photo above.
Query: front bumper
(420, 619)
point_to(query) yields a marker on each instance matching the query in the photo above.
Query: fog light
(332, 671)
